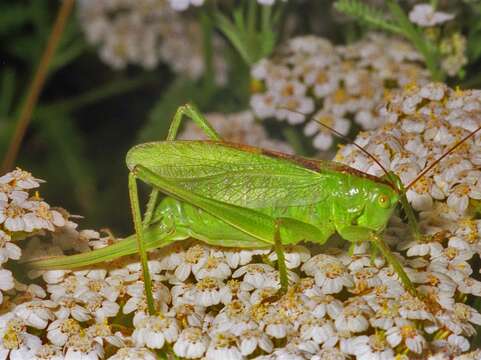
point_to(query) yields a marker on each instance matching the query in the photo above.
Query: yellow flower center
(340, 96)
(321, 77)
(70, 326)
(212, 262)
(408, 331)
(194, 254)
(13, 211)
(451, 253)
(378, 342)
(206, 284)
(333, 271)
(423, 185)
(43, 211)
(225, 341)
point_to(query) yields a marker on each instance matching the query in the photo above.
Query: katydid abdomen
(187, 219)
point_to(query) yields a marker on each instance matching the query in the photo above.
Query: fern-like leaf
(367, 15)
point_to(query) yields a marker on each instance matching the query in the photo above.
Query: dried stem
(37, 84)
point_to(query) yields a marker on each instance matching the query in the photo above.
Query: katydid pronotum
(233, 195)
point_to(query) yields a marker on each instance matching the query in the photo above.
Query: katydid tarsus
(233, 195)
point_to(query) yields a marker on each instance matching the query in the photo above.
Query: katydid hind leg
(139, 230)
(154, 238)
(250, 221)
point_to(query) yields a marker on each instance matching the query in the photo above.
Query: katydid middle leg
(281, 265)
(190, 111)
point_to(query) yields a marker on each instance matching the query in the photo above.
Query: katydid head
(380, 203)
(376, 214)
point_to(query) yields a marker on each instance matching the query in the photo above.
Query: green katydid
(233, 195)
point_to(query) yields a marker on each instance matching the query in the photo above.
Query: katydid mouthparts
(234, 195)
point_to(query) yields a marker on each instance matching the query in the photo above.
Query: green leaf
(26, 47)
(234, 36)
(367, 15)
(72, 45)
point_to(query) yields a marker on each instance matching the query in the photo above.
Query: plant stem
(37, 84)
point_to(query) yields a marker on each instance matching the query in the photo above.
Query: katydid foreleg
(357, 234)
(408, 210)
(379, 243)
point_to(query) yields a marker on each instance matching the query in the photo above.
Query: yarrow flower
(426, 16)
(332, 85)
(146, 33)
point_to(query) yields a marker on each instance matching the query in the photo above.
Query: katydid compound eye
(383, 201)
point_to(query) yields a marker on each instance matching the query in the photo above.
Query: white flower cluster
(214, 304)
(423, 122)
(339, 84)
(239, 128)
(147, 32)
(21, 214)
